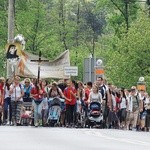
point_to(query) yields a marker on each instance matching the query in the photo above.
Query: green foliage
(138, 47)
(97, 27)
(127, 58)
(3, 35)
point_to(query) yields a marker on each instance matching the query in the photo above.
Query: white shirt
(130, 105)
(16, 92)
(141, 97)
(6, 91)
(147, 100)
(123, 103)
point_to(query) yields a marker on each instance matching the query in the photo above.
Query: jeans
(7, 103)
(37, 111)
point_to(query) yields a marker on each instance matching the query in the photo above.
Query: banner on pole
(51, 69)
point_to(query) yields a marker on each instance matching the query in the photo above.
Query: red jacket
(117, 103)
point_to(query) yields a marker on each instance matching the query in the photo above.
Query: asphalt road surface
(31, 138)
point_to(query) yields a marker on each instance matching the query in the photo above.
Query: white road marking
(120, 139)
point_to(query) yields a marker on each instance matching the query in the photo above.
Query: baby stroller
(26, 114)
(94, 116)
(56, 105)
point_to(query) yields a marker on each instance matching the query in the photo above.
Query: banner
(51, 69)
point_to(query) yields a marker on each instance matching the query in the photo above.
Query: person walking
(45, 88)
(7, 103)
(70, 94)
(134, 108)
(2, 82)
(88, 89)
(123, 109)
(147, 108)
(16, 92)
(106, 97)
(27, 90)
(94, 95)
(37, 94)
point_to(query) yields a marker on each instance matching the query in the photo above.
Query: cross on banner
(39, 66)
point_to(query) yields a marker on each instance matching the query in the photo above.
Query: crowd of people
(122, 108)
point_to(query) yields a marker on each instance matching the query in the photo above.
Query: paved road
(31, 138)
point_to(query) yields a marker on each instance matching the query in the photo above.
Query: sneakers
(134, 129)
(36, 124)
(40, 122)
(9, 123)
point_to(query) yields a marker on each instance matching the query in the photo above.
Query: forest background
(118, 31)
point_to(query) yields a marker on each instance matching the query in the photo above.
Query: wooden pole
(39, 64)
(11, 19)
(11, 27)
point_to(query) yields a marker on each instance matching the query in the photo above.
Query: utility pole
(11, 28)
(11, 20)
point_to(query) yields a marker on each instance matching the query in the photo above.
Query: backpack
(136, 100)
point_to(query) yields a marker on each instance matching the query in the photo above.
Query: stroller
(94, 116)
(26, 114)
(56, 106)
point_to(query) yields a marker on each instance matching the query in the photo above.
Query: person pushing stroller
(94, 116)
(56, 97)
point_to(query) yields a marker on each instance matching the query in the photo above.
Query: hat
(54, 83)
(133, 87)
(2, 78)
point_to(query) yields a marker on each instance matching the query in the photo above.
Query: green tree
(3, 35)
(129, 59)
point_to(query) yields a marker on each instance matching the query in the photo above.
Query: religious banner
(48, 69)
(13, 52)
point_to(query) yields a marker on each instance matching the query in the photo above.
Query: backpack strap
(137, 100)
(58, 92)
